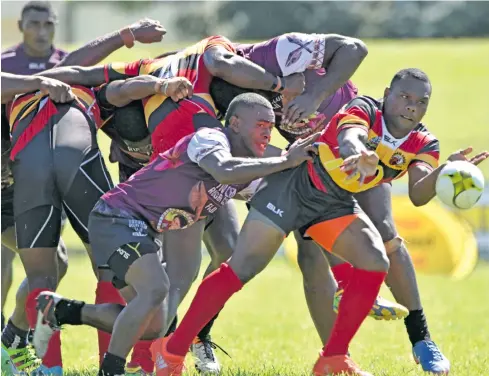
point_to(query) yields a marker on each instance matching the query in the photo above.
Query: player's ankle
(112, 365)
(416, 326)
(14, 335)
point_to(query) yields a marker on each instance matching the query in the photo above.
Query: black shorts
(59, 168)
(291, 201)
(118, 239)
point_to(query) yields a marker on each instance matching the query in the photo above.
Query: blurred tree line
(367, 19)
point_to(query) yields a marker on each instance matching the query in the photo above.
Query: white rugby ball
(460, 185)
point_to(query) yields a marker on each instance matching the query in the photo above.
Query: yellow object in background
(439, 242)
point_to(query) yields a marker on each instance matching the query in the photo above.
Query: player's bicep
(112, 95)
(215, 57)
(214, 163)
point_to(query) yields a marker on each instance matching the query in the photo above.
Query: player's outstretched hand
(363, 164)
(462, 155)
(177, 88)
(148, 31)
(293, 85)
(58, 91)
(302, 150)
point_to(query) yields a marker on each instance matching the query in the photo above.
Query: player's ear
(387, 90)
(234, 124)
(19, 24)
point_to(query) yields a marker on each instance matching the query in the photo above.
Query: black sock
(205, 332)
(69, 312)
(173, 327)
(112, 365)
(417, 327)
(13, 337)
(3, 321)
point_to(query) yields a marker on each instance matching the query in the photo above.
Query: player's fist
(148, 31)
(293, 85)
(177, 88)
(58, 91)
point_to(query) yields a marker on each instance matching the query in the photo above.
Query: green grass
(267, 330)
(266, 327)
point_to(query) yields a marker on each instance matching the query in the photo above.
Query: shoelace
(24, 358)
(209, 346)
(437, 355)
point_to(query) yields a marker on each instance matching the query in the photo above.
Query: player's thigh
(377, 205)
(9, 242)
(221, 235)
(310, 256)
(91, 181)
(354, 238)
(7, 218)
(182, 251)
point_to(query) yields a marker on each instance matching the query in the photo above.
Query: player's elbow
(217, 62)
(418, 200)
(358, 48)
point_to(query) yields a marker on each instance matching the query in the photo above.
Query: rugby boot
(431, 358)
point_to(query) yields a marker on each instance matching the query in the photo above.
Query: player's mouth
(261, 146)
(407, 118)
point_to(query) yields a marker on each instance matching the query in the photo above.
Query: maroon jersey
(296, 53)
(173, 192)
(16, 61)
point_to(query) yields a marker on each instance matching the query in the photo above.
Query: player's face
(38, 30)
(405, 104)
(255, 128)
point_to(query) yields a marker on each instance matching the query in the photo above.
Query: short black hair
(130, 122)
(223, 93)
(248, 100)
(40, 6)
(411, 72)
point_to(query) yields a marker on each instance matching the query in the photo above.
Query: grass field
(266, 327)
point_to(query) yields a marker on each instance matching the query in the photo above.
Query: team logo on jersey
(295, 55)
(373, 143)
(174, 219)
(397, 159)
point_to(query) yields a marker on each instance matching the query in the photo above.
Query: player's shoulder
(213, 135)
(368, 105)
(10, 53)
(422, 134)
(60, 52)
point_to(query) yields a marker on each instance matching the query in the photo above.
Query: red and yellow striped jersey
(187, 63)
(396, 155)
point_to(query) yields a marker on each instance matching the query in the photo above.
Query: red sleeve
(122, 71)
(429, 154)
(358, 113)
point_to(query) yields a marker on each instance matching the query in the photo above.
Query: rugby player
(179, 189)
(37, 24)
(319, 201)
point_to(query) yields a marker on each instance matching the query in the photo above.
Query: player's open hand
(58, 91)
(360, 165)
(462, 155)
(177, 88)
(293, 85)
(302, 150)
(148, 31)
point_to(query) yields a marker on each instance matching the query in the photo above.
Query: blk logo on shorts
(275, 210)
(123, 253)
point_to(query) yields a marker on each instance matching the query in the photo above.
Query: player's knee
(377, 260)
(155, 294)
(308, 256)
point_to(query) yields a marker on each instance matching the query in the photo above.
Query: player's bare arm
(121, 92)
(13, 84)
(422, 178)
(244, 73)
(77, 75)
(342, 57)
(144, 31)
(231, 170)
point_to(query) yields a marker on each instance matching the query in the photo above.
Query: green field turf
(266, 327)
(267, 330)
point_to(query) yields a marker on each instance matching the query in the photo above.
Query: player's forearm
(238, 71)
(244, 170)
(94, 51)
(120, 93)
(76, 75)
(340, 65)
(13, 84)
(423, 190)
(351, 141)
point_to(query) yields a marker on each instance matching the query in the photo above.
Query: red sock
(342, 274)
(358, 298)
(214, 291)
(53, 355)
(141, 355)
(106, 293)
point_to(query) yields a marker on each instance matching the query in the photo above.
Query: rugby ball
(460, 185)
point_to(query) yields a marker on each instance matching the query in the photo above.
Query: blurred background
(446, 39)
